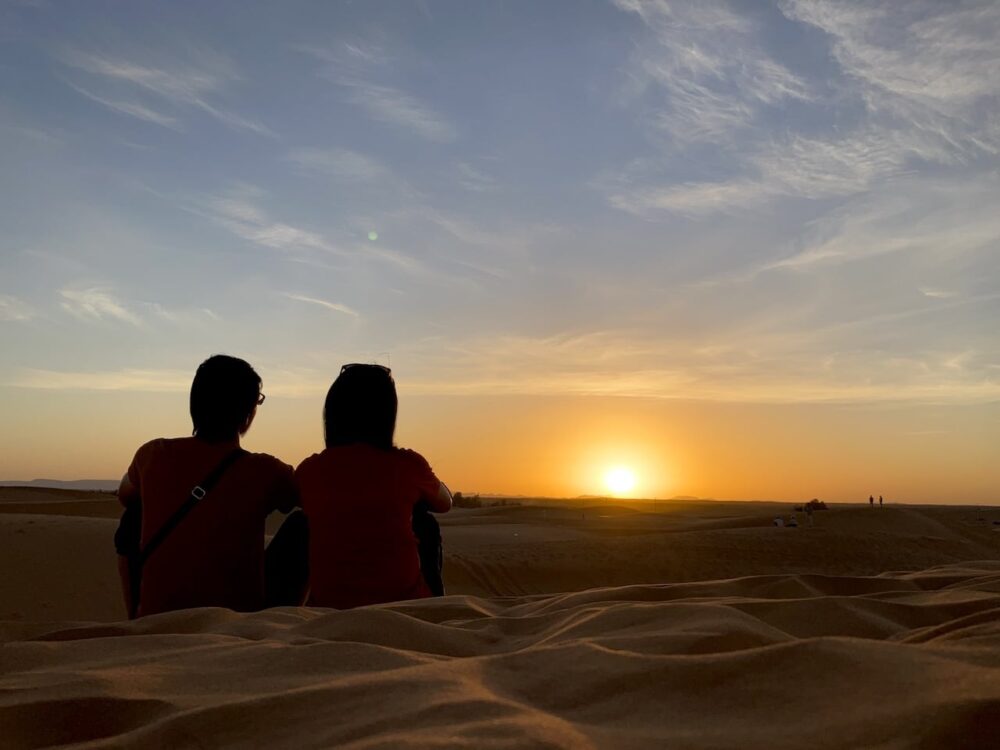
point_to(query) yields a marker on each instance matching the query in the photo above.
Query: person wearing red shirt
(360, 494)
(214, 556)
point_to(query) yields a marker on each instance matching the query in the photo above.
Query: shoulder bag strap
(197, 493)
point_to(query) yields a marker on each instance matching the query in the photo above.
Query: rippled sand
(699, 626)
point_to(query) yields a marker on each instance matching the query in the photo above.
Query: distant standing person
(880, 501)
(371, 539)
(871, 501)
(192, 534)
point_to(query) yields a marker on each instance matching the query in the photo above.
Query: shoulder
(409, 456)
(411, 460)
(309, 462)
(266, 463)
(309, 465)
(148, 450)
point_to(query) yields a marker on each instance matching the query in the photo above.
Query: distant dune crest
(106, 485)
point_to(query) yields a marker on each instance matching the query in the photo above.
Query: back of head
(223, 396)
(361, 407)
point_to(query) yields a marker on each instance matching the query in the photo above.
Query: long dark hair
(361, 407)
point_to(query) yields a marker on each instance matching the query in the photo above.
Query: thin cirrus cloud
(354, 67)
(237, 212)
(710, 67)
(14, 309)
(132, 109)
(800, 167)
(947, 57)
(190, 86)
(932, 69)
(341, 163)
(349, 166)
(920, 85)
(129, 379)
(97, 303)
(333, 306)
(287, 383)
(474, 179)
(946, 222)
(395, 107)
(620, 363)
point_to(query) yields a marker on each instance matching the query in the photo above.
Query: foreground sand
(806, 642)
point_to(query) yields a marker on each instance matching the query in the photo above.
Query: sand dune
(565, 628)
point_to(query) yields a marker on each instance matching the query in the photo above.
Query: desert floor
(687, 624)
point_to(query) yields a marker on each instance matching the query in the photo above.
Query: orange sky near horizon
(740, 250)
(563, 446)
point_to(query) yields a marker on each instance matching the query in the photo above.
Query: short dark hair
(224, 393)
(361, 407)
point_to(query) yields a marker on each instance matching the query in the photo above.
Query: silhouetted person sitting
(192, 534)
(371, 538)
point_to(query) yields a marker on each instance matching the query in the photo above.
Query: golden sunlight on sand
(568, 624)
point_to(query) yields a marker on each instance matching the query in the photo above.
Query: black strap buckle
(198, 492)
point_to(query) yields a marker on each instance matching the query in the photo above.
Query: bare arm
(441, 503)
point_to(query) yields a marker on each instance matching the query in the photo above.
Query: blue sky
(768, 202)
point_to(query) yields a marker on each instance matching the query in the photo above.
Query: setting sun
(620, 480)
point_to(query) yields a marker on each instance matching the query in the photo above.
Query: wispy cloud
(191, 85)
(14, 309)
(334, 306)
(290, 383)
(364, 71)
(395, 107)
(474, 179)
(132, 109)
(925, 219)
(630, 364)
(153, 381)
(349, 166)
(923, 80)
(922, 60)
(799, 167)
(936, 293)
(709, 69)
(237, 212)
(340, 162)
(97, 303)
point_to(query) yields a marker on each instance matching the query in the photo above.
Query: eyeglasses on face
(363, 365)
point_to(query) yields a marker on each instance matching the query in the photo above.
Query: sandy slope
(776, 661)
(801, 641)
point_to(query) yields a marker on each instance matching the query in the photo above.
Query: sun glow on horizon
(620, 480)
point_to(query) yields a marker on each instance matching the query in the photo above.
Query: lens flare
(373, 236)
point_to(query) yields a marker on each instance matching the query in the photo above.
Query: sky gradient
(749, 249)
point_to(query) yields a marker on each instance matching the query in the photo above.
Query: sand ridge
(697, 625)
(889, 661)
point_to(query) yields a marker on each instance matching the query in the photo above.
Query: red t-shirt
(215, 556)
(359, 500)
